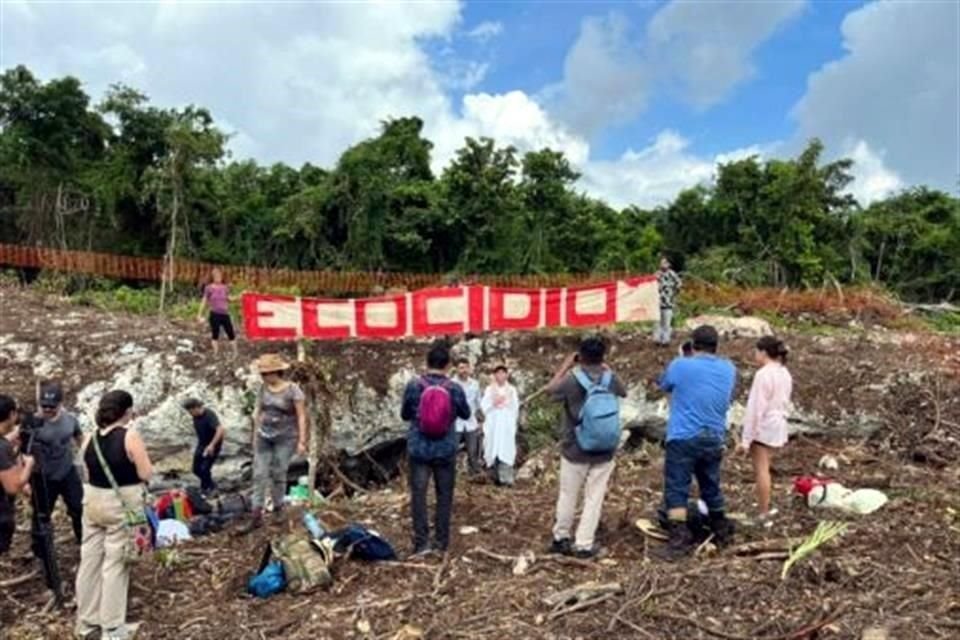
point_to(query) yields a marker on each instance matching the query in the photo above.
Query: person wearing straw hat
(279, 430)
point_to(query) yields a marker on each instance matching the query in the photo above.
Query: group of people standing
(701, 385)
(444, 413)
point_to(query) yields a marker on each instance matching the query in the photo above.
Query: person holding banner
(668, 286)
(501, 410)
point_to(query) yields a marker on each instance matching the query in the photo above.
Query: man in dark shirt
(580, 470)
(15, 470)
(210, 435)
(54, 445)
(432, 457)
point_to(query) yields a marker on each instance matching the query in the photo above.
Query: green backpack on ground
(306, 564)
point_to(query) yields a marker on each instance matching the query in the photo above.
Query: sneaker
(722, 528)
(254, 523)
(126, 632)
(585, 553)
(422, 552)
(563, 547)
(765, 520)
(85, 632)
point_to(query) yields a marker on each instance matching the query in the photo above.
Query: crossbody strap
(107, 471)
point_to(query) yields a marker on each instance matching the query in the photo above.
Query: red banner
(440, 311)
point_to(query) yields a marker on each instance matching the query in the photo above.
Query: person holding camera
(15, 469)
(54, 445)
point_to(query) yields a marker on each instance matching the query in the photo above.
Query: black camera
(29, 424)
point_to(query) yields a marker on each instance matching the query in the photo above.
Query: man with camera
(15, 469)
(55, 438)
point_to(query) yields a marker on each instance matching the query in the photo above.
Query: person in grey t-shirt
(54, 446)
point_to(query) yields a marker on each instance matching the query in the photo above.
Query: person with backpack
(701, 389)
(501, 410)
(431, 404)
(590, 394)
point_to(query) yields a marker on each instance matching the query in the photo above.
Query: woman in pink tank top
(216, 296)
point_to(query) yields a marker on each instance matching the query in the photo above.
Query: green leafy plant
(825, 532)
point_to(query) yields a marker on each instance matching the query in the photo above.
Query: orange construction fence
(326, 281)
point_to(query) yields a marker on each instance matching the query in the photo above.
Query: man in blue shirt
(701, 389)
(433, 457)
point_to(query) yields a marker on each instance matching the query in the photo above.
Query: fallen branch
(582, 592)
(189, 623)
(371, 605)
(585, 604)
(13, 582)
(798, 634)
(343, 478)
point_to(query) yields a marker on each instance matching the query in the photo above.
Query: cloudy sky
(644, 97)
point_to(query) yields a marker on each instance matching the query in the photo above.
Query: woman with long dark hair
(765, 422)
(117, 466)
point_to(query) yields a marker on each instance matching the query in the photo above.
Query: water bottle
(313, 525)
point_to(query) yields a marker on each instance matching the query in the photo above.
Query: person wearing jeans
(701, 389)
(588, 472)
(432, 457)
(280, 430)
(668, 286)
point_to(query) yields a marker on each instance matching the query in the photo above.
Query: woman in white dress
(501, 409)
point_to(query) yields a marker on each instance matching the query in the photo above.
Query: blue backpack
(598, 429)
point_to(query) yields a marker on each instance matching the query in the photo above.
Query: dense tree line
(129, 177)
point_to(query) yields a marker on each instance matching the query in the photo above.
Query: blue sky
(645, 98)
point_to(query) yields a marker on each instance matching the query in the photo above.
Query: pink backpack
(435, 413)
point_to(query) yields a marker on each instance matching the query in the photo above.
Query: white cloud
(873, 180)
(605, 80)
(655, 174)
(704, 49)
(485, 31)
(707, 46)
(896, 89)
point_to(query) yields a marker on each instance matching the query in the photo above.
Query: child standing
(765, 422)
(501, 409)
(210, 435)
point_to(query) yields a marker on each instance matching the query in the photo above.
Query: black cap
(705, 336)
(51, 395)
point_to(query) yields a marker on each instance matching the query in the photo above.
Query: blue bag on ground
(362, 543)
(270, 581)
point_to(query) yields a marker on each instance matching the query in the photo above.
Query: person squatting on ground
(701, 389)
(216, 296)
(280, 430)
(668, 286)
(15, 470)
(501, 410)
(112, 489)
(431, 405)
(582, 470)
(765, 421)
(469, 429)
(56, 475)
(210, 434)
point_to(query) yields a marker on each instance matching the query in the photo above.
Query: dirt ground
(896, 571)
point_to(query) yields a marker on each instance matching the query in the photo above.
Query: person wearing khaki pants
(580, 470)
(104, 576)
(113, 487)
(593, 479)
